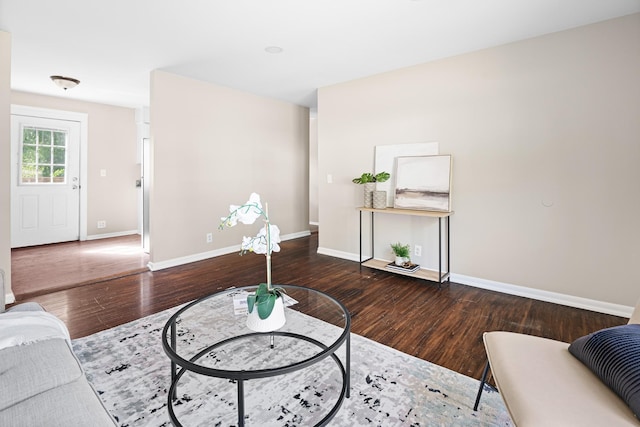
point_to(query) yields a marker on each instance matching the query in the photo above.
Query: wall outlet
(102, 224)
(209, 237)
(417, 250)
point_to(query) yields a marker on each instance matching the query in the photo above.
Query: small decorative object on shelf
(379, 199)
(407, 267)
(369, 180)
(401, 252)
(265, 306)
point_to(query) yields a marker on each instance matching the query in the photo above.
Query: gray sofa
(41, 381)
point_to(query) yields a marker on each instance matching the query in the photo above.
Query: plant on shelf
(369, 177)
(369, 181)
(266, 296)
(401, 252)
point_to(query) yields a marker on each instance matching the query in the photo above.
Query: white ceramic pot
(276, 319)
(379, 199)
(369, 187)
(400, 260)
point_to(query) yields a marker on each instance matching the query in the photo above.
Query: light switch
(329, 179)
(103, 172)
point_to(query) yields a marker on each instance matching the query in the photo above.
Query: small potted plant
(401, 252)
(369, 181)
(266, 305)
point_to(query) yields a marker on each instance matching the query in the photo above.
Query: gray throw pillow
(613, 354)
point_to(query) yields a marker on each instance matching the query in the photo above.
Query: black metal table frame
(241, 376)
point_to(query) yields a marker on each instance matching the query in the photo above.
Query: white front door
(45, 167)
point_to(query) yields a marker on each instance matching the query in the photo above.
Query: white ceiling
(113, 45)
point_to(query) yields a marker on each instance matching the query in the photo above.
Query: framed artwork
(423, 182)
(385, 157)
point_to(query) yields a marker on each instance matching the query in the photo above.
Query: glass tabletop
(210, 335)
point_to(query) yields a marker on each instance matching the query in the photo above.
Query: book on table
(405, 268)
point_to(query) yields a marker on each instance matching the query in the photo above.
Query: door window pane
(59, 138)
(44, 156)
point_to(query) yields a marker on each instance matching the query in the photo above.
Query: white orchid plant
(265, 242)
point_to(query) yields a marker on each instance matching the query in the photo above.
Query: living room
(543, 133)
(552, 135)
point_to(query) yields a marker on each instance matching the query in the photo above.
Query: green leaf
(266, 307)
(263, 289)
(251, 300)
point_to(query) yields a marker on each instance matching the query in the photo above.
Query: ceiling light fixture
(273, 49)
(65, 82)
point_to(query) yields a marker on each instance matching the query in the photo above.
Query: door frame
(83, 119)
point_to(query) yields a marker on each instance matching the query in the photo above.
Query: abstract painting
(423, 182)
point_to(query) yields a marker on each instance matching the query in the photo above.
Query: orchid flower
(258, 244)
(267, 239)
(265, 242)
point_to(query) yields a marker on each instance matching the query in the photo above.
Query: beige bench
(542, 384)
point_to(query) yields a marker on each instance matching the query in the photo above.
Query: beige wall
(5, 162)
(553, 120)
(211, 147)
(112, 147)
(313, 169)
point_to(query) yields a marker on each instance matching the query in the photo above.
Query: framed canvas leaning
(423, 182)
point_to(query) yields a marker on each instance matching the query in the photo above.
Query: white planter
(379, 199)
(276, 319)
(401, 260)
(369, 187)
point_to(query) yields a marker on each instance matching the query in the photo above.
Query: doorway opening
(50, 250)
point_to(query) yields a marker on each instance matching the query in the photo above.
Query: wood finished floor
(43, 269)
(442, 326)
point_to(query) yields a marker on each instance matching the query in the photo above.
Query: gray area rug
(130, 371)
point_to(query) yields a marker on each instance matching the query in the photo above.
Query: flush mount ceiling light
(273, 49)
(65, 82)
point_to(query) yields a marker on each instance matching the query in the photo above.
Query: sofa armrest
(27, 306)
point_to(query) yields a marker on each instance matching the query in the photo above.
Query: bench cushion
(542, 384)
(613, 354)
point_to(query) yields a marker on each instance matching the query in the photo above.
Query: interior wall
(544, 137)
(5, 163)
(313, 168)
(212, 146)
(112, 145)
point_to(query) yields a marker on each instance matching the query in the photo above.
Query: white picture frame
(385, 158)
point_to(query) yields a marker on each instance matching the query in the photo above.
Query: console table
(442, 274)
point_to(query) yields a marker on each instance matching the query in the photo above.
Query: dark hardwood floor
(442, 326)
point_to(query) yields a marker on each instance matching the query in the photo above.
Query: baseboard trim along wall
(109, 235)
(155, 266)
(506, 288)
(547, 296)
(9, 298)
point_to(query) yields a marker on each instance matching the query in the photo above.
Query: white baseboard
(108, 235)
(9, 298)
(155, 266)
(338, 254)
(506, 288)
(541, 295)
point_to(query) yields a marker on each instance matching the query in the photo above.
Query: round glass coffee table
(300, 364)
